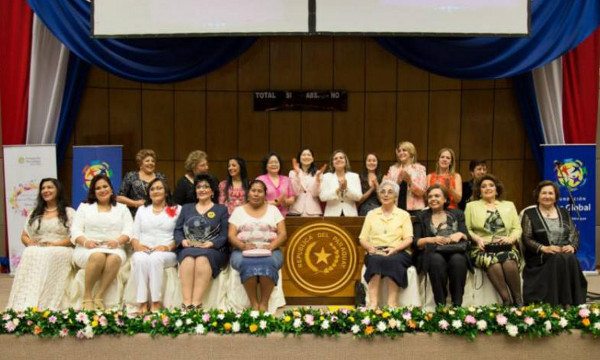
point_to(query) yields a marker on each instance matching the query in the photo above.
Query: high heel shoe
(87, 305)
(99, 304)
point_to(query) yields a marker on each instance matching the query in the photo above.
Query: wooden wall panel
(380, 122)
(189, 129)
(348, 127)
(285, 134)
(444, 122)
(198, 84)
(253, 129)
(349, 63)
(510, 173)
(477, 124)
(253, 71)
(224, 78)
(413, 122)
(97, 78)
(317, 134)
(115, 82)
(477, 84)
(92, 126)
(380, 68)
(286, 63)
(157, 122)
(317, 63)
(411, 78)
(509, 135)
(221, 125)
(126, 120)
(438, 82)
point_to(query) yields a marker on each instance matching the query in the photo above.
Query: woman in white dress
(153, 244)
(100, 230)
(41, 277)
(340, 187)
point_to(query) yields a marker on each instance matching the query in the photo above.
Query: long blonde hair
(452, 167)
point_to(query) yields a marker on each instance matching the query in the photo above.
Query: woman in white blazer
(340, 188)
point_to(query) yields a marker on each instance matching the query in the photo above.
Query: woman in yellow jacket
(495, 229)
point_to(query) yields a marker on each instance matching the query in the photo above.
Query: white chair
(406, 297)
(237, 300)
(112, 297)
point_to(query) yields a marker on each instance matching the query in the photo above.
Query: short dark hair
(256, 181)
(477, 186)
(265, 162)
(91, 198)
(543, 184)
(168, 196)
(475, 163)
(212, 182)
(312, 168)
(444, 192)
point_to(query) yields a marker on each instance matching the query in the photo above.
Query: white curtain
(47, 73)
(548, 82)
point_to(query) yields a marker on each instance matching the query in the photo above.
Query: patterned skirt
(484, 260)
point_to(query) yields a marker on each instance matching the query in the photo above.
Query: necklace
(51, 210)
(159, 209)
(547, 212)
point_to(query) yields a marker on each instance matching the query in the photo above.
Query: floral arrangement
(530, 321)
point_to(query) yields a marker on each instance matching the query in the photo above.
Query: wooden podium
(323, 260)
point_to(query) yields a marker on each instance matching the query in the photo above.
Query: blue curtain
(147, 60)
(530, 114)
(556, 26)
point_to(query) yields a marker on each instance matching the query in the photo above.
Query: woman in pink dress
(306, 182)
(232, 191)
(279, 187)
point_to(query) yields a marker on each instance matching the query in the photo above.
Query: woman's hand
(248, 246)
(206, 245)
(185, 243)
(137, 246)
(480, 244)
(506, 240)
(456, 237)
(403, 175)
(296, 166)
(343, 183)
(568, 249)
(90, 244)
(438, 240)
(112, 244)
(139, 203)
(161, 248)
(552, 249)
(373, 181)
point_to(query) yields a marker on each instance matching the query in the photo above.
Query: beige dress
(42, 274)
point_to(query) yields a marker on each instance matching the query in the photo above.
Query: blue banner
(573, 168)
(88, 161)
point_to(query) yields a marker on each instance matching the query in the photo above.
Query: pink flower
(153, 323)
(501, 319)
(165, 321)
(206, 317)
(52, 319)
(309, 319)
(470, 319)
(529, 320)
(584, 312)
(103, 321)
(10, 326)
(443, 324)
(366, 321)
(63, 332)
(80, 334)
(407, 316)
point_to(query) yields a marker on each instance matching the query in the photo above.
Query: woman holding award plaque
(495, 228)
(101, 228)
(257, 230)
(201, 240)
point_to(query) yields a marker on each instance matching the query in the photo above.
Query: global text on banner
(24, 167)
(89, 161)
(573, 168)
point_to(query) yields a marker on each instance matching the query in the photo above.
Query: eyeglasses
(202, 186)
(387, 192)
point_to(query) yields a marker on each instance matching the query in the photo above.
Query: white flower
(6, 317)
(325, 325)
(381, 326)
(392, 323)
(443, 324)
(178, 323)
(188, 321)
(451, 312)
(548, 325)
(355, 329)
(596, 311)
(366, 321)
(297, 323)
(563, 322)
(82, 318)
(221, 316)
(529, 320)
(512, 330)
(481, 325)
(597, 325)
(472, 308)
(457, 324)
(16, 321)
(88, 332)
(200, 329)
(254, 314)
(235, 327)
(266, 313)
(262, 324)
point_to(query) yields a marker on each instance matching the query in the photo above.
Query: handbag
(256, 253)
(453, 248)
(496, 248)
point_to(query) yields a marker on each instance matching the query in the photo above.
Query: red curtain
(580, 91)
(15, 46)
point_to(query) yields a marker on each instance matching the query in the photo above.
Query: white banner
(24, 167)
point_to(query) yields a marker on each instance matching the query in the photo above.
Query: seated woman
(552, 273)
(41, 277)
(232, 192)
(410, 176)
(135, 183)
(153, 245)
(257, 228)
(437, 226)
(446, 175)
(279, 187)
(495, 228)
(387, 235)
(101, 228)
(201, 238)
(306, 182)
(369, 181)
(340, 188)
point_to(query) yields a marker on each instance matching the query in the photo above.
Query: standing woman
(386, 235)
(279, 187)
(135, 183)
(201, 239)
(410, 176)
(257, 226)
(495, 228)
(369, 181)
(232, 192)
(101, 228)
(306, 182)
(437, 228)
(153, 245)
(340, 188)
(552, 273)
(195, 163)
(445, 174)
(41, 277)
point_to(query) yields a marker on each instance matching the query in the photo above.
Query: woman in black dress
(552, 273)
